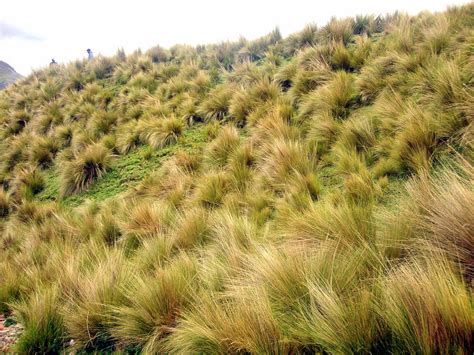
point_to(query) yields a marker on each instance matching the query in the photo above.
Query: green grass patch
(125, 172)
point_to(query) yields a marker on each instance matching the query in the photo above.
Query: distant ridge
(7, 75)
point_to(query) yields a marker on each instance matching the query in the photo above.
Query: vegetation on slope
(304, 194)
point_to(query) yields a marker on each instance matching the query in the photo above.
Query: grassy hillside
(7, 75)
(309, 194)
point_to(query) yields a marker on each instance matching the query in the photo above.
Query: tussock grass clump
(4, 203)
(43, 151)
(322, 133)
(348, 160)
(221, 148)
(10, 281)
(363, 24)
(191, 229)
(427, 308)
(443, 212)
(359, 133)
(153, 304)
(29, 182)
(172, 185)
(341, 57)
(101, 122)
(44, 125)
(157, 54)
(168, 132)
(321, 315)
(18, 121)
(216, 105)
(360, 187)
(285, 75)
(305, 38)
(446, 83)
(87, 167)
(101, 67)
(302, 190)
(153, 254)
(346, 222)
(375, 76)
(244, 102)
(402, 33)
(108, 229)
(416, 140)
(80, 141)
(64, 135)
(248, 321)
(242, 164)
(189, 163)
(145, 220)
(339, 30)
(18, 152)
(335, 97)
(43, 322)
(51, 89)
(88, 312)
(283, 159)
(274, 126)
(212, 189)
(309, 79)
(128, 137)
(437, 36)
(233, 232)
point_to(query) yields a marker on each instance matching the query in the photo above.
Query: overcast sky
(32, 32)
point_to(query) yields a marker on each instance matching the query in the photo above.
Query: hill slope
(304, 194)
(7, 75)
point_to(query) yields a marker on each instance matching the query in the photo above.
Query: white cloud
(9, 31)
(69, 28)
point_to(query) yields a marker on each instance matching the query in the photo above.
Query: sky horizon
(54, 29)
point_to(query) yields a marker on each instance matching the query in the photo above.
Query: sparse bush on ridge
(309, 194)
